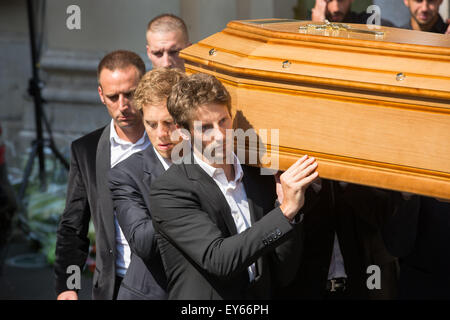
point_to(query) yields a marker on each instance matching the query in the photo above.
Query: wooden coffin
(372, 107)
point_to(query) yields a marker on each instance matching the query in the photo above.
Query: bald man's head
(166, 36)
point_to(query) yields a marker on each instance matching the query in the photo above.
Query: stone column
(206, 17)
(444, 10)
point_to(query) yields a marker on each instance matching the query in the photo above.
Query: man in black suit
(420, 233)
(219, 234)
(342, 239)
(130, 183)
(88, 195)
(420, 236)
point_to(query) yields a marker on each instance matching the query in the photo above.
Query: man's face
(423, 11)
(116, 91)
(159, 126)
(163, 48)
(337, 9)
(210, 136)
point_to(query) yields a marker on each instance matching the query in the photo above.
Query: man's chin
(424, 22)
(125, 123)
(336, 18)
(166, 153)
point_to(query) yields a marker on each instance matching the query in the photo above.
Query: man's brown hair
(168, 22)
(156, 86)
(192, 92)
(121, 59)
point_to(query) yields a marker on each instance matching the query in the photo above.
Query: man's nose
(424, 5)
(123, 102)
(166, 62)
(162, 131)
(219, 134)
(333, 6)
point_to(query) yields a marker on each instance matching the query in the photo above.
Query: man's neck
(424, 27)
(228, 169)
(131, 134)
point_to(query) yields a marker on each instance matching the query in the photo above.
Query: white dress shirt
(164, 161)
(235, 195)
(121, 150)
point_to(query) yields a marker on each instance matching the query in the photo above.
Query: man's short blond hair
(192, 92)
(156, 86)
(167, 23)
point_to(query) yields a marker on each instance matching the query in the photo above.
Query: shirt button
(110, 251)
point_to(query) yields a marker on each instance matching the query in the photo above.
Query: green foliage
(43, 207)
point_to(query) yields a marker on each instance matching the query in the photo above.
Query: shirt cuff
(297, 219)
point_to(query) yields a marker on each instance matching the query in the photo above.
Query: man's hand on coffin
(319, 11)
(294, 182)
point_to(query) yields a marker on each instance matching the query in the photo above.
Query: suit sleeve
(287, 257)
(400, 229)
(132, 214)
(72, 243)
(178, 216)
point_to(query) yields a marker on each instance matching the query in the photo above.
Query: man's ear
(100, 93)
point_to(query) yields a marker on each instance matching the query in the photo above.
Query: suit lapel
(152, 168)
(105, 205)
(251, 190)
(212, 191)
(256, 212)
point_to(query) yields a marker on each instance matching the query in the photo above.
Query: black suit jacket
(203, 255)
(130, 182)
(356, 213)
(420, 236)
(88, 197)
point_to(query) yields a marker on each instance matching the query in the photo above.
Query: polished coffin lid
(371, 104)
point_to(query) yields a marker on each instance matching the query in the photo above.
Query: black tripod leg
(28, 169)
(58, 155)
